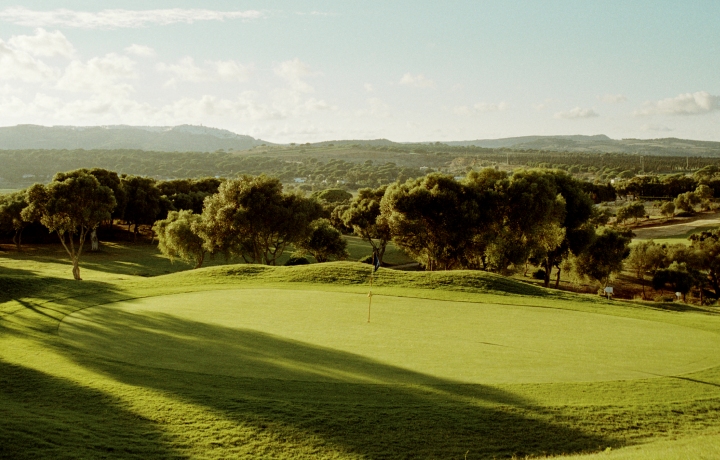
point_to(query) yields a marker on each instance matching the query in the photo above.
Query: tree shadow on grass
(304, 396)
(42, 416)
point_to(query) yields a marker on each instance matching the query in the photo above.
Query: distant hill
(599, 144)
(183, 138)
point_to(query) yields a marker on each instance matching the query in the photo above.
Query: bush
(297, 261)
(367, 260)
(539, 274)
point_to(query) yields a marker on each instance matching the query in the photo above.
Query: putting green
(324, 336)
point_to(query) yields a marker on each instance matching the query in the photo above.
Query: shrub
(297, 261)
(539, 274)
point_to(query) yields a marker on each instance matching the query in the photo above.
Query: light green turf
(267, 388)
(274, 333)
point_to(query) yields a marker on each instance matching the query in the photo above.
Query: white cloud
(481, 107)
(612, 98)
(117, 18)
(376, 108)
(577, 113)
(294, 71)
(184, 70)
(232, 71)
(655, 128)
(416, 81)
(140, 50)
(368, 87)
(99, 75)
(19, 65)
(43, 43)
(696, 103)
(187, 70)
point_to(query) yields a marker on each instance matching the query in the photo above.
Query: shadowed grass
(76, 403)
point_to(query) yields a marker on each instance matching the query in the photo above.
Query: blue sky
(305, 71)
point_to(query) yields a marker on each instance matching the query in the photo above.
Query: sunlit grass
(246, 361)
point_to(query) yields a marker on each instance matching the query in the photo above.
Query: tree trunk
(557, 280)
(642, 283)
(76, 269)
(547, 266)
(381, 250)
(17, 239)
(200, 259)
(94, 243)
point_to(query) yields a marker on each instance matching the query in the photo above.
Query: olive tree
(324, 242)
(646, 257)
(364, 217)
(73, 204)
(605, 255)
(177, 239)
(429, 218)
(11, 206)
(252, 218)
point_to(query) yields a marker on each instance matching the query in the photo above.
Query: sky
(307, 71)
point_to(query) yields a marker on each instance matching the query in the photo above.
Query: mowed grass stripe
(324, 336)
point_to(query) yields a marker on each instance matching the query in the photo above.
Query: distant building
(299, 180)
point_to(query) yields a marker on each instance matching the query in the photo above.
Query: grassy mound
(354, 273)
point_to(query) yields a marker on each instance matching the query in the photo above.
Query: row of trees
(679, 267)
(490, 220)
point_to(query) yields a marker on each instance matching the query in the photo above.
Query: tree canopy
(74, 203)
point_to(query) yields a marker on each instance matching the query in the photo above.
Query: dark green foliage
(605, 255)
(74, 203)
(188, 194)
(324, 242)
(430, 219)
(297, 261)
(143, 201)
(11, 206)
(252, 218)
(363, 216)
(333, 196)
(177, 237)
(539, 274)
(633, 210)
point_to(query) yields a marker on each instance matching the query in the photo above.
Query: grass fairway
(245, 361)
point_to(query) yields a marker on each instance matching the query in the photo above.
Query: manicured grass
(410, 340)
(244, 361)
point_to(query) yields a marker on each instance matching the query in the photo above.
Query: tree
(574, 228)
(11, 206)
(633, 210)
(333, 196)
(605, 255)
(668, 209)
(177, 239)
(646, 256)
(364, 217)
(430, 218)
(678, 276)
(324, 242)
(686, 202)
(252, 218)
(73, 203)
(143, 201)
(705, 256)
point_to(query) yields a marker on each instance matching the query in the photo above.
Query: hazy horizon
(311, 71)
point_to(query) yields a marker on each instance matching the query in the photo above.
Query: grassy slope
(58, 402)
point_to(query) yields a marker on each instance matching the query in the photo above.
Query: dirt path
(680, 228)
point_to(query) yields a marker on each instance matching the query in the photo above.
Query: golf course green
(250, 361)
(259, 333)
